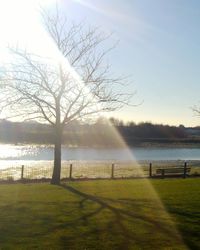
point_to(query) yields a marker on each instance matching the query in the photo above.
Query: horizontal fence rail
(102, 170)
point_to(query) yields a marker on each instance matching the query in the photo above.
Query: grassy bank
(119, 214)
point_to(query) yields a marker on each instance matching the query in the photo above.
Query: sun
(21, 26)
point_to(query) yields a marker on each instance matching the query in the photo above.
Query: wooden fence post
(22, 172)
(70, 171)
(150, 169)
(163, 173)
(185, 170)
(112, 171)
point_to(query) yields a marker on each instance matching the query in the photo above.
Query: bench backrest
(175, 170)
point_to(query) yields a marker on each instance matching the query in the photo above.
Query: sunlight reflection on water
(45, 153)
(42, 155)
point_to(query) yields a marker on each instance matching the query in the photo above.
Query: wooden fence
(75, 171)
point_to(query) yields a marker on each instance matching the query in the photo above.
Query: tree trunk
(57, 157)
(57, 148)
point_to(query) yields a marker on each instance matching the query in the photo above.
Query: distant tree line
(97, 134)
(149, 130)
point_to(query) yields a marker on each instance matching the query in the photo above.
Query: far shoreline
(145, 145)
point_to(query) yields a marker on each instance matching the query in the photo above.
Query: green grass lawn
(105, 214)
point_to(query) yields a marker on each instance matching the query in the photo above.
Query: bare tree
(76, 87)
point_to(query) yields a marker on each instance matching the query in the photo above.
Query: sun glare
(20, 26)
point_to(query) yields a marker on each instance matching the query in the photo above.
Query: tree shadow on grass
(127, 224)
(80, 220)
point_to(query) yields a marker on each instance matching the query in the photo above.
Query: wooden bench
(173, 171)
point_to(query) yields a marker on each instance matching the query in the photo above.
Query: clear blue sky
(160, 48)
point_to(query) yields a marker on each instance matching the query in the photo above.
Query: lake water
(45, 153)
